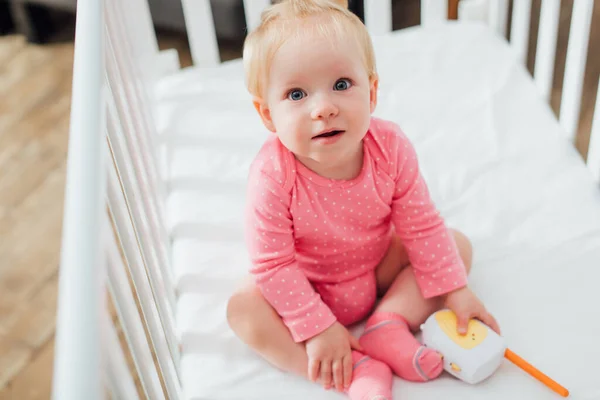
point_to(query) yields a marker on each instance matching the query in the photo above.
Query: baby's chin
(335, 165)
(339, 152)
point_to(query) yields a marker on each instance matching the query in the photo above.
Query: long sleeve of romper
(430, 245)
(270, 240)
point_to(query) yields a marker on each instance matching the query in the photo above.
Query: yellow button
(455, 367)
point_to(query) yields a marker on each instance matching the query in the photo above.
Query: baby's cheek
(293, 139)
(358, 114)
(298, 132)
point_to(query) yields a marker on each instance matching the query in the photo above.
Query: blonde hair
(282, 21)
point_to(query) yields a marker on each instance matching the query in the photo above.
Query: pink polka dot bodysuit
(314, 242)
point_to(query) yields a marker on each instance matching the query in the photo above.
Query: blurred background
(36, 56)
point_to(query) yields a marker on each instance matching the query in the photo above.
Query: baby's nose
(324, 109)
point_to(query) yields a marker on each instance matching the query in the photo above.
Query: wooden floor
(35, 87)
(35, 84)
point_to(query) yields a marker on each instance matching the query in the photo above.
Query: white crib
(156, 180)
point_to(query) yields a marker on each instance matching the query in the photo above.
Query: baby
(340, 225)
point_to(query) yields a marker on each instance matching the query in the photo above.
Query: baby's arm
(270, 240)
(430, 245)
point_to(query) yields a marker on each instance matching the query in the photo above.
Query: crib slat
(77, 364)
(148, 218)
(253, 9)
(131, 69)
(579, 36)
(473, 10)
(433, 12)
(125, 73)
(153, 307)
(131, 136)
(119, 380)
(378, 16)
(130, 321)
(546, 47)
(519, 35)
(144, 267)
(200, 28)
(593, 156)
(498, 16)
(141, 29)
(137, 131)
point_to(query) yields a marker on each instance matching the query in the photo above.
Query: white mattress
(497, 166)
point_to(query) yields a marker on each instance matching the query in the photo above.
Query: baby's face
(317, 88)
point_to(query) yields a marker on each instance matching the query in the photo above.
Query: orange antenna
(537, 374)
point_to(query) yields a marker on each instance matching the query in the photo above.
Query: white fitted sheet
(497, 166)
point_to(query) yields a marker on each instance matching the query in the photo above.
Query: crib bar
(135, 103)
(200, 28)
(160, 335)
(142, 31)
(593, 156)
(433, 12)
(378, 16)
(131, 321)
(139, 248)
(473, 10)
(119, 380)
(144, 215)
(131, 72)
(134, 137)
(78, 358)
(546, 47)
(519, 35)
(498, 16)
(570, 104)
(253, 10)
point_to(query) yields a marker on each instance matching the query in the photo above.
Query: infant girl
(340, 226)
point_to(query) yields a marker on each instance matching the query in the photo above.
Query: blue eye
(342, 84)
(296, 95)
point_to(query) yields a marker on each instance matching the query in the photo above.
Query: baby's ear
(264, 112)
(374, 87)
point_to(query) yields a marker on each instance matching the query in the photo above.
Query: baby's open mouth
(328, 134)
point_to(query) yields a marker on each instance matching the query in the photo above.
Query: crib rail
(202, 36)
(135, 200)
(495, 14)
(132, 139)
(575, 66)
(546, 47)
(520, 31)
(77, 365)
(115, 247)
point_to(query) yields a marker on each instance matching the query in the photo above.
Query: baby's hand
(466, 306)
(330, 356)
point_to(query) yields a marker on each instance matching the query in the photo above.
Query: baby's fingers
(326, 373)
(490, 321)
(463, 319)
(347, 370)
(313, 369)
(338, 374)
